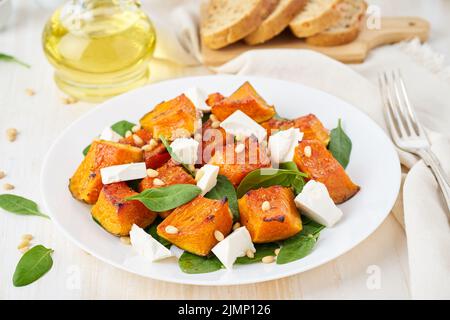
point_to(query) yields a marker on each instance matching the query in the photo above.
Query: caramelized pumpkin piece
(156, 157)
(320, 165)
(236, 165)
(170, 173)
(171, 117)
(117, 215)
(277, 220)
(191, 227)
(86, 183)
(245, 99)
(310, 125)
(213, 98)
(212, 139)
(143, 134)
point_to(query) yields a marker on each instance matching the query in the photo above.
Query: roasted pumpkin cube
(320, 165)
(310, 125)
(191, 226)
(236, 165)
(248, 101)
(213, 98)
(171, 117)
(143, 134)
(86, 183)
(117, 215)
(270, 214)
(212, 139)
(170, 173)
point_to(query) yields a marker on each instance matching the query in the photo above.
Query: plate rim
(231, 282)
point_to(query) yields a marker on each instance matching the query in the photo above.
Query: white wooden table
(75, 274)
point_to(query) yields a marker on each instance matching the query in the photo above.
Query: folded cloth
(420, 203)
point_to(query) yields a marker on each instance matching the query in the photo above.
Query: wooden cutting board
(393, 29)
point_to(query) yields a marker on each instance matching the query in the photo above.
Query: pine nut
(2, 174)
(215, 124)
(239, 148)
(171, 230)
(198, 136)
(239, 137)
(250, 254)
(218, 235)
(24, 249)
(128, 134)
(23, 244)
(158, 182)
(153, 143)
(191, 167)
(11, 134)
(125, 240)
(69, 100)
(268, 259)
(277, 251)
(8, 186)
(199, 175)
(137, 140)
(307, 151)
(265, 206)
(136, 128)
(27, 237)
(30, 92)
(213, 118)
(152, 173)
(147, 147)
(236, 226)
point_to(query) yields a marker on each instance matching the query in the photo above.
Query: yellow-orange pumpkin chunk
(320, 165)
(118, 215)
(86, 183)
(245, 99)
(171, 117)
(270, 214)
(191, 227)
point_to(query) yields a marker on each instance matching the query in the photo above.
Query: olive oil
(99, 48)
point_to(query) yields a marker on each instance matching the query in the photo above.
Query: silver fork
(406, 131)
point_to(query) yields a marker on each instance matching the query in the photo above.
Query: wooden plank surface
(393, 29)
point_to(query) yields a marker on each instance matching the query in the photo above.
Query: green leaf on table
(167, 198)
(33, 265)
(262, 250)
(340, 145)
(151, 230)
(224, 188)
(191, 263)
(122, 127)
(7, 58)
(267, 177)
(20, 205)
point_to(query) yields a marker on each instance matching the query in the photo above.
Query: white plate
(374, 166)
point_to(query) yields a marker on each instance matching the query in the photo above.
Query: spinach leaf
(20, 205)
(33, 265)
(122, 127)
(151, 230)
(340, 145)
(86, 150)
(289, 166)
(298, 183)
(167, 198)
(262, 250)
(224, 188)
(191, 263)
(8, 58)
(173, 155)
(267, 177)
(205, 117)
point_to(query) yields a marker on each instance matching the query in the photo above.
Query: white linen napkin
(425, 220)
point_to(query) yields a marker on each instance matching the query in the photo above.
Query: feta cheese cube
(176, 252)
(282, 145)
(198, 98)
(185, 149)
(123, 172)
(240, 124)
(234, 246)
(109, 134)
(208, 178)
(147, 246)
(316, 203)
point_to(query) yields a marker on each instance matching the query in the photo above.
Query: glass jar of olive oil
(99, 48)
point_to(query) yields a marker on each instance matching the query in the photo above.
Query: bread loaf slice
(276, 22)
(346, 29)
(317, 16)
(227, 21)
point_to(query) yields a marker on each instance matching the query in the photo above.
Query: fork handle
(441, 177)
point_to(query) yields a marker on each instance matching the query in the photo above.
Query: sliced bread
(227, 21)
(276, 22)
(317, 16)
(346, 29)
